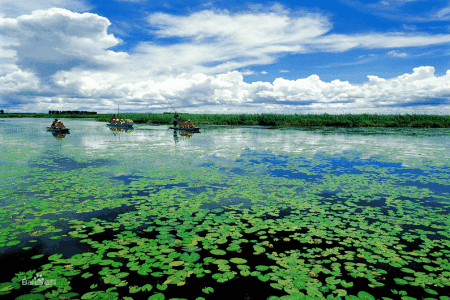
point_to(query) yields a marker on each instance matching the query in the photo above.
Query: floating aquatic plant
(284, 225)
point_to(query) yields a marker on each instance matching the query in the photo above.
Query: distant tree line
(2, 111)
(71, 112)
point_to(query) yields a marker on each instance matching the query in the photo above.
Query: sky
(225, 57)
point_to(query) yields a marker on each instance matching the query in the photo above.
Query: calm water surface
(95, 173)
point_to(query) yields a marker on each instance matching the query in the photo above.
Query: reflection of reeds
(347, 120)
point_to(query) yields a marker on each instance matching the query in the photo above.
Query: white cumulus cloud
(59, 54)
(13, 8)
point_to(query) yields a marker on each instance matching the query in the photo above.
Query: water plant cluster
(261, 226)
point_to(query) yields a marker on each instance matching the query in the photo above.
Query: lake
(227, 213)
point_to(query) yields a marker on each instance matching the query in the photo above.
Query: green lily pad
(69, 295)
(6, 287)
(190, 258)
(428, 268)
(332, 280)
(299, 283)
(12, 243)
(55, 257)
(263, 278)
(262, 268)
(90, 295)
(208, 290)
(238, 260)
(276, 286)
(400, 281)
(147, 287)
(346, 284)
(430, 291)
(158, 296)
(365, 296)
(408, 270)
(174, 255)
(218, 252)
(340, 292)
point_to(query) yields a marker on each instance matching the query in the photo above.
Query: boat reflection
(175, 136)
(186, 134)
(181, 134)
(118, 129)
(60, 136)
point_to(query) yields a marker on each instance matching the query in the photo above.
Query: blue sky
(225, 56)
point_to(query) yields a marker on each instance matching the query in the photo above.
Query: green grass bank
(298, 120)
(347, 120)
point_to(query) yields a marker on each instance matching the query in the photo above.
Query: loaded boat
(121, 124)
(58, 127)
(115, 122)
(185, 126)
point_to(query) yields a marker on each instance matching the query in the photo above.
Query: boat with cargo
(116, 122)
(58, 127)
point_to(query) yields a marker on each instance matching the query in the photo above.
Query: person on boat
(58, 125)
(54, 123)
(113, 119)
(175, 120)
(189, 124)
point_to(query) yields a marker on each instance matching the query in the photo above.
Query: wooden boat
(58, 130)
(185, 129)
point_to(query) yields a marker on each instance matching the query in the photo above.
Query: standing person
(54, 123)
(112, 119)
(175, 120)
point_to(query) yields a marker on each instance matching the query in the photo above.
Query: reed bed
(302, 120)
(267, 119)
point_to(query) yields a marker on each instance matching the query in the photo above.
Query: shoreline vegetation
(268, 119)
